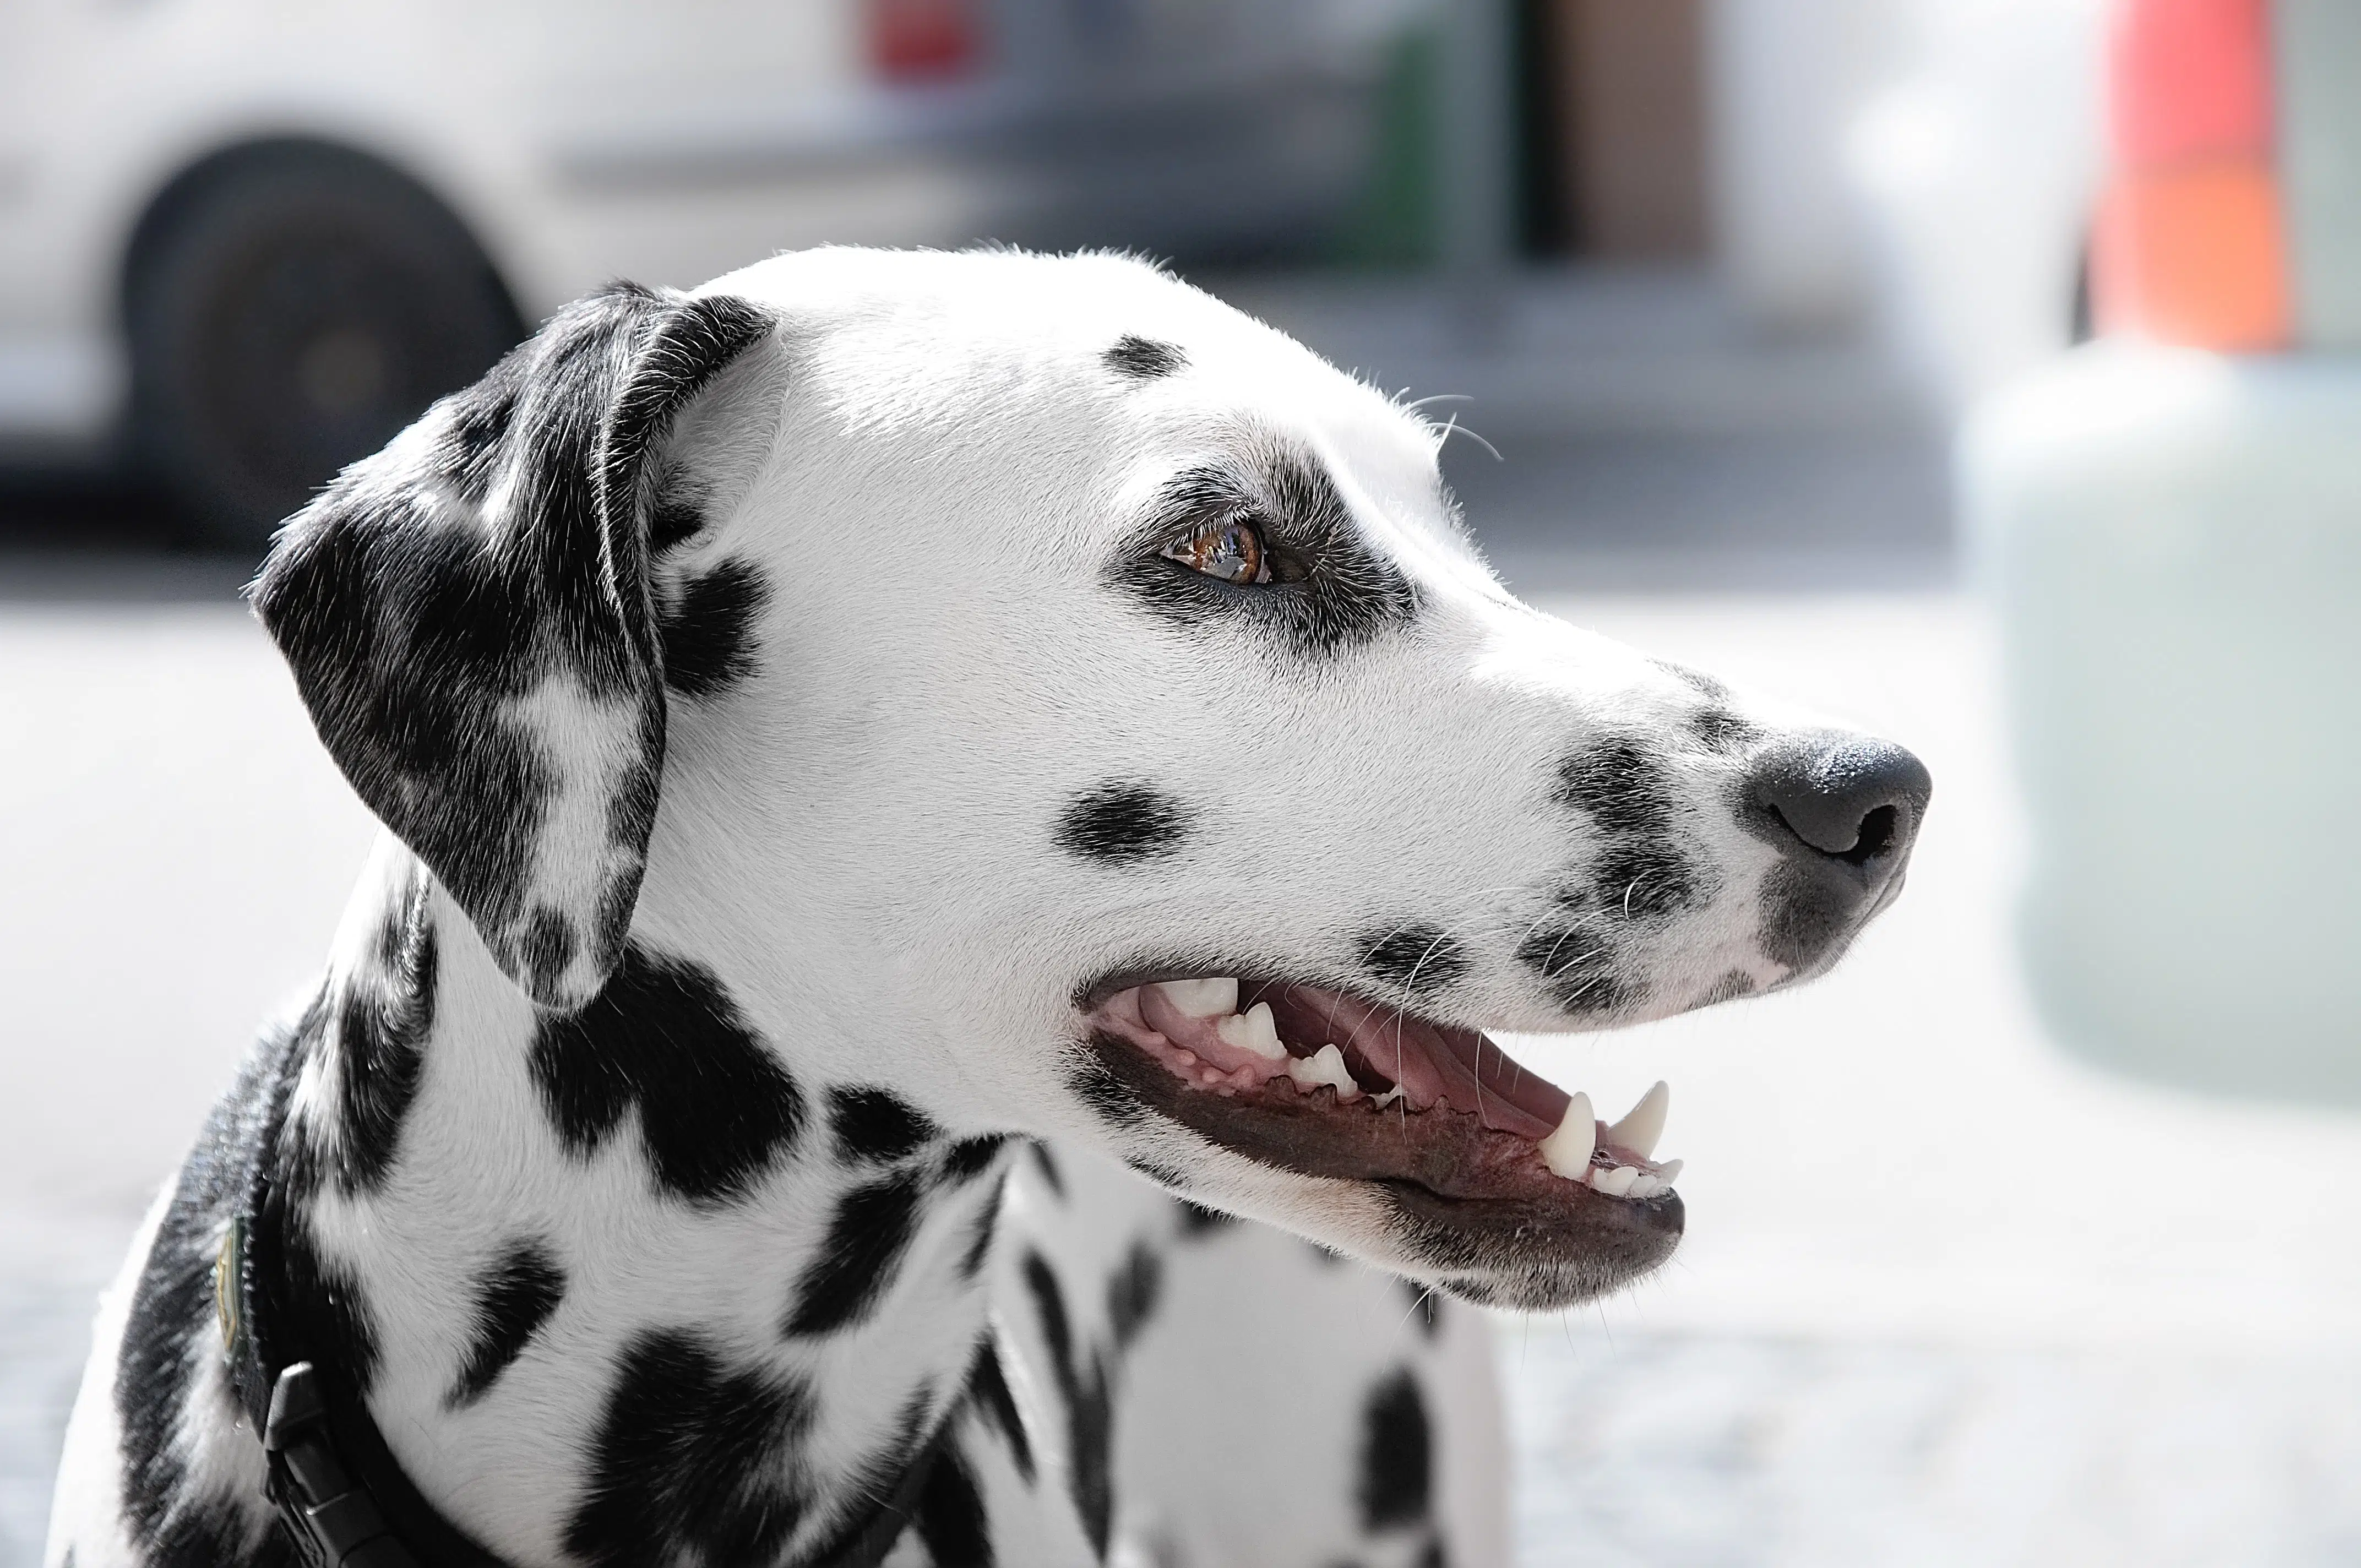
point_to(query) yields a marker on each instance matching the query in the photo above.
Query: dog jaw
(1495, 1183)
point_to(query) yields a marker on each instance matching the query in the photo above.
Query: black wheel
(288, 314)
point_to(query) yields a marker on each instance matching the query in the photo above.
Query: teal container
(2171, 540)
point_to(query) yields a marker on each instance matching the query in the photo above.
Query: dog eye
(1231, 550)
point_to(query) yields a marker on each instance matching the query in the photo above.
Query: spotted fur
(784, 707)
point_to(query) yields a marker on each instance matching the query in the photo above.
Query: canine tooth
(1253, 1030)
(1644, 1123)
(1666, 1172)
(1326, 1065)
(1202, 998)
(1616, 1182)
(1566, 1151)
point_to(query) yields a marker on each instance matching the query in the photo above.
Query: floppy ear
(468, 616)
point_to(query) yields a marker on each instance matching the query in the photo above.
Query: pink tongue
(1459, 1068)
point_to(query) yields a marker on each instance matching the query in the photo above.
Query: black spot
(1090, 1409)
(1425, 1308)
(1047, 1164)
(708, 636)
(1804, 912)
(1396, 1477)
(1133, 1291)
(1331, 591)
(516, 1297)
(1720, 731)
(1106, 1095)
(1156, 1170)
(1621, 785)
(1118, 823)
(692, 1460)
(952, 1520)
(1572, 947)
(382, 1021)
(1198, 1222)
(970, 1157)
(876, 1126)
(1144, 358)
(1579, 965)
(1646, 879)
(988, 1385)
(980, 1230)
(1417, 960)
(865, 1245)
(716, 1109)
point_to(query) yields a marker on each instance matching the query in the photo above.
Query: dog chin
(1480, 1177)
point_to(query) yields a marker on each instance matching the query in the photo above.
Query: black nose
(1843, 798)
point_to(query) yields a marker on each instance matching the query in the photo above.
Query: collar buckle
(332, 1518)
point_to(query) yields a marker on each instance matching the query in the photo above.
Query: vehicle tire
(288, 314)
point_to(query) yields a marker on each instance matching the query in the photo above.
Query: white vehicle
(250, 239)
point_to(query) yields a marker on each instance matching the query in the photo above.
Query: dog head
(1033, 686)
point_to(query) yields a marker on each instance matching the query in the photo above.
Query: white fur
(932, 468)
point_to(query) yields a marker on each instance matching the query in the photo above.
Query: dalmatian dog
(954, 827)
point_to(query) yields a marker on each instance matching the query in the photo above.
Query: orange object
(2194, 255)
(2190, 79)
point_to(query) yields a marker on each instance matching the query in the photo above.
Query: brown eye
(1229, 551)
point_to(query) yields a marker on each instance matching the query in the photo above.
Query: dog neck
(560, 1239)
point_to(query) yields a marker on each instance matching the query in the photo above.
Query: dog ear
(467, 616)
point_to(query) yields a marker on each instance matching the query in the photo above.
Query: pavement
(1949, 1295)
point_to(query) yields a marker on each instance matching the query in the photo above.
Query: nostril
(1842, 798)
(1876, 837)
(1872, 839)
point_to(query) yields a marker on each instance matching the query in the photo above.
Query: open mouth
(1327, 1084)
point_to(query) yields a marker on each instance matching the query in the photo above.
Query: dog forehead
(1116, 364)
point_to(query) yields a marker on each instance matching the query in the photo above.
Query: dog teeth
(1643, 1123)
(1388, 1097)
(1202, 998)
(1666, 1172)
(1327, 1065)
(1615, 1180)
(1568, 1150)
(1253, 1030)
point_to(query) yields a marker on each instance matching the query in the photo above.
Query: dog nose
(1845, 798)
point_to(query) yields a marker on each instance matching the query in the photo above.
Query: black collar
(343, 1498)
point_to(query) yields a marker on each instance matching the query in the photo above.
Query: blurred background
(2031, 1236)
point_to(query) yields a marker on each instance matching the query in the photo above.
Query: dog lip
(1095, 992)
(1459, 1166)
(1460, 1117)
